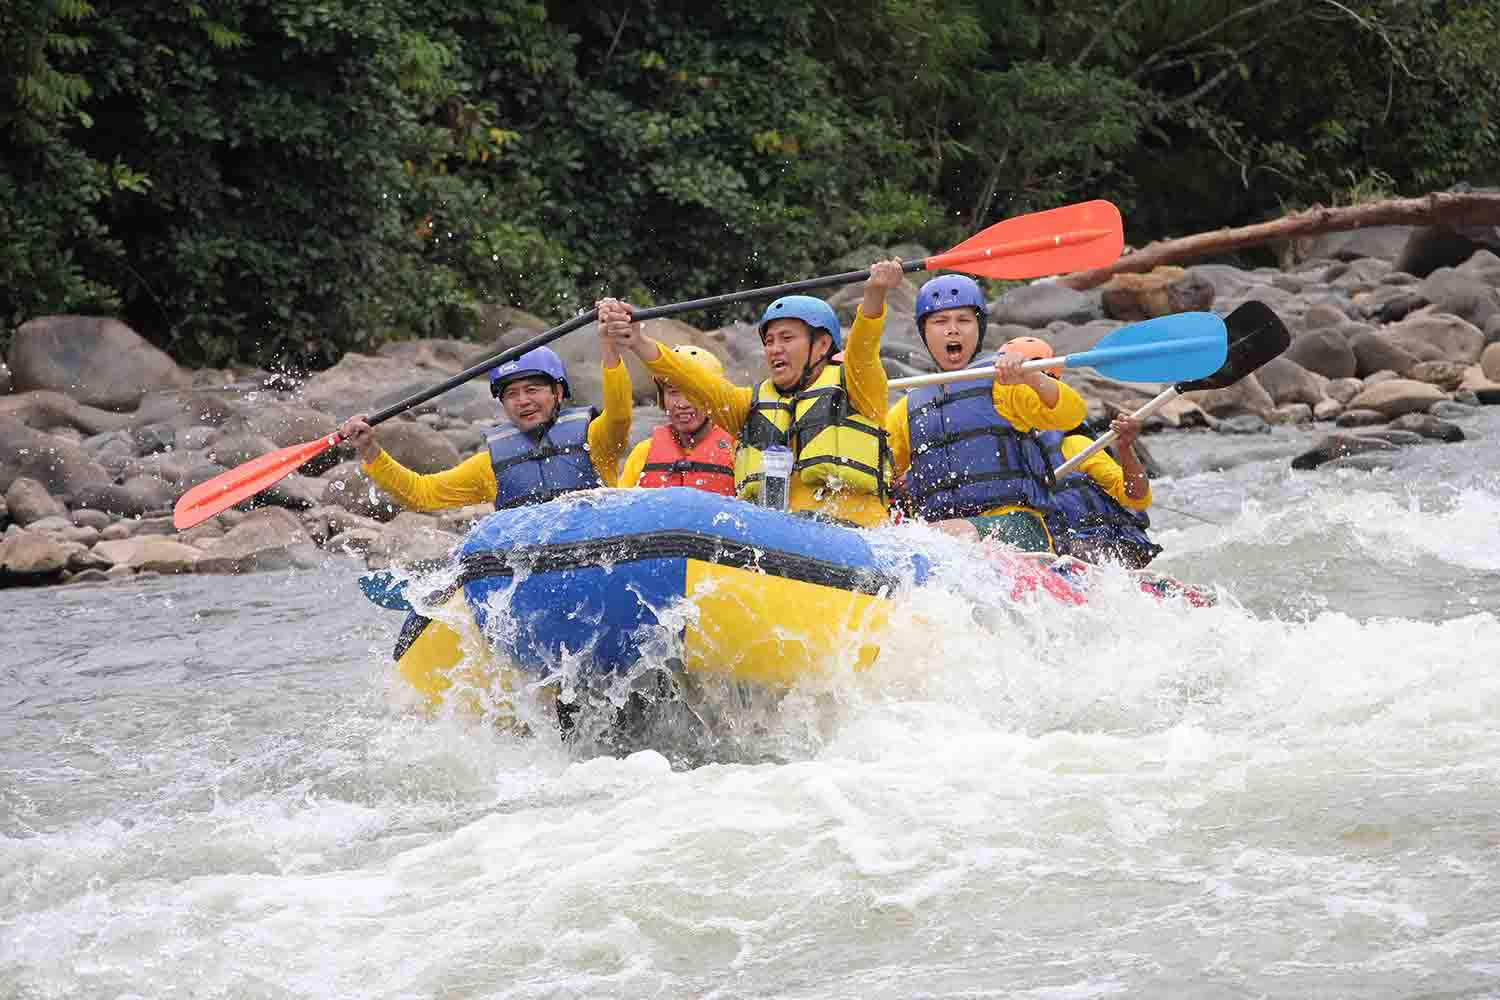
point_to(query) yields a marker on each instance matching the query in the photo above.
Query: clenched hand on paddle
(1058, 241)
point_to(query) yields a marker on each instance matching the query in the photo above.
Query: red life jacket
(708, 466)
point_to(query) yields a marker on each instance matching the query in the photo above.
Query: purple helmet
(814, 312)
(543, 361)
(949, 292)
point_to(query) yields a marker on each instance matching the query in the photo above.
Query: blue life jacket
(966, 458)
(534, 468)
(1088, 519)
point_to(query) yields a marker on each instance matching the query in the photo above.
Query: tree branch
(1445, 208)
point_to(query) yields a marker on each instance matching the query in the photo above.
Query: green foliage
(280, 181)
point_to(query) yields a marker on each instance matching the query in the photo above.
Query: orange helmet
(696, 354)
(1034, 348)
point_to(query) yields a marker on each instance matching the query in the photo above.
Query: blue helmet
(542, 361)
(814, 312)
(949, 292)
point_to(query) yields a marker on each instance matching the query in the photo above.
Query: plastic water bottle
(776, 463)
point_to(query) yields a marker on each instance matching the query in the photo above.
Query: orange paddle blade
(1058, 241)
(228, 488)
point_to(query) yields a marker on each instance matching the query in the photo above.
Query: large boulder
(1245, 397)
(1446, 375)
(1374, 352)
(1462, 293)
(154, 553)
(1381, 242)
(96, 360)
(1159, 292)
(45, 410)
(1288, 382)
(62, 467)
(1038, 304)
(418, 447)
(1324, 350)
(1432, 247)
(28, 501)
(1434, 336)
(268, 538)
(1397, 396)
(1489, 362)
(135, 497)
(31, 559)
(348, 487)
(352, 385)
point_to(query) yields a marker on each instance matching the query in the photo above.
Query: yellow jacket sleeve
(1105, 471)
(609, 432)
(1021, 405)
(725, 403)
(630, 477)
(864, 376)
(472, 481)
(898, 435)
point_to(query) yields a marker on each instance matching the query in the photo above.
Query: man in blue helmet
(545, 449)
(829, 414)
(967, 449)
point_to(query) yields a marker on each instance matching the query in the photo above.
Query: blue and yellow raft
(597, 580)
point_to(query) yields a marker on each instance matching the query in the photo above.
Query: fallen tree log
(1441, 208)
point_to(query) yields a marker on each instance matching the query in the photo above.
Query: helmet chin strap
(807, 369)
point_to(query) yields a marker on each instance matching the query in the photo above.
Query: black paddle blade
(1256, 335)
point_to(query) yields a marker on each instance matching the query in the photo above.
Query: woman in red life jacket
(689, 450)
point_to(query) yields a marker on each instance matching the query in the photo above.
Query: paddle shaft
(1080, 359)
(1107, 438)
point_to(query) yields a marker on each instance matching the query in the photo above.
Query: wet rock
(1036, 305)
(1397, 437)
(1429, 427)
(1292, 413)
(1489, 362)
(98, 361)
(1463, 294)
(116, 531)
(1360, 418)
(1245, 396)
(295, 492)
(1245, 423)
(1379, 462)
(86, 576)
(1446, 375)
(1375, 378)
(350, 386)
(1324, 351)
(1397, 396)
(47, 410)
(435, 353)
(29, 501)
(1380, 242)
(61, 467)
(411, 538)
(267, 539)
(1388, 304)
(1432, 247)
(468, 440)
(356, 541)
(1160, 292)
(52, 523)
(1374, 352)
(1343, 389)
(1445, 409)
(29, 560)
(1327, 409)
(237, 449)
(160, 524)
(155, 553)
(152, 438)
(195, 438)
(136, 496)
(1228, 282)
(1321, 317)
(1437, 337)
(201, 535)
(419, 448)
(348, 487)
(1288, 382)
(327, 521)
(1336, 446)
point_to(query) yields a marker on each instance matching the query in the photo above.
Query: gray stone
(1380, 462)
(152, 438)
(295, 492)
(420, 449)
(47, 410)
(1437, 337)
(1489, 362)
(237, 449)
(62, 467)
(29, 559)
(155, 553)
(1343, 389)
(1336, 446)
(1286, 381)
(1228, 282)
(1375, 378)
(1446, 375)
(28, 501)
(1360, 418)
(1375, 352)
(1446, 409)
(1323, 316)
(1429, 426)
(1462, 294)
(1328, 409)
(1245, 396)
(195, 438)
(136, 496)
(1246, 423)
(348, 487)
(98, 361)
(1395, 397)
(1390, 304)
(1324, 351)
(1381, 242)
(1038, 304)
(267, 539)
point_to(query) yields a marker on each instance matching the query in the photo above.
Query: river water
(213, 787)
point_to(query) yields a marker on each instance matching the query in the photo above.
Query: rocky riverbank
(100, 433)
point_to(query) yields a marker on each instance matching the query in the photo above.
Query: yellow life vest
(835, 447)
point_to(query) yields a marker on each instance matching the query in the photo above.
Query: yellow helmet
(699, 356)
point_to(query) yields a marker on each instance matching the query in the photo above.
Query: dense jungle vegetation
(278, 181)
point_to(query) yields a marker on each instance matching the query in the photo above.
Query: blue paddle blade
(386, 589)
(1166, 349)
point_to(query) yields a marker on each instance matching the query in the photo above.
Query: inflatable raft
(593, 582)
